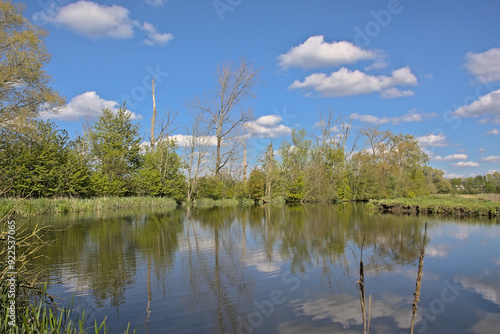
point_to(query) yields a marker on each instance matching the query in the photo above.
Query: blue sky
(427, 68)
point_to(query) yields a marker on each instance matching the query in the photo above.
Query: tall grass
(32, 207)
(38, 317)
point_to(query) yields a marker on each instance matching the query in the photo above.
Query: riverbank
(458, 205)
(41, 206)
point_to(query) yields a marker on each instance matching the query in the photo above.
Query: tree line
(109, 159)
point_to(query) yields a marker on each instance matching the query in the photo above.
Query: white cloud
(433, 140)
(489, 121)
(465, 164)
(410, 116)
(482, 149)
(155, 2)
(491, 158)
(493, 132)
(345, 82)
(437, 251)
(394, 92)
(154, 37)
(186, 140)
(267, 126)
(452, 157)
(88, 104)
(486, 104)
(377, 65)
(453, 176)
(484, 66)
(315, 52)
(95, 21)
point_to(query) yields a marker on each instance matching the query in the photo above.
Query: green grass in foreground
(446, 204)
(38, 317)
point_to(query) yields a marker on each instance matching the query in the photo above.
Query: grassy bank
(39, 206)
(459, 205)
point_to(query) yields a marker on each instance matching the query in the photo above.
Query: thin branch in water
(419, 281)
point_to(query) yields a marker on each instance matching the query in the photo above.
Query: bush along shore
(440, 205)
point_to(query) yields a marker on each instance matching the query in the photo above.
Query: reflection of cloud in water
(490, 323)
(436, 251)
(488, 288)
(345, 309)
(496, 261)
(261, 262)
(462, 232)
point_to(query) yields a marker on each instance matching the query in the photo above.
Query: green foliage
(25, 89)
(114, 150)
(209, 187)
(256, 184)
(39, 162)
(160, 173)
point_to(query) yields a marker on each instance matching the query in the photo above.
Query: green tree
(115, 153)
(270, 170)
(160, 174)
(294, 158)
(256, 184)
(24, 85)
(40, 162)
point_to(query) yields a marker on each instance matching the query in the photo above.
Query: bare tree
(165, 124)
(225, 111)
(195, 153)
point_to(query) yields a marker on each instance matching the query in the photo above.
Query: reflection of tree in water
(109, 261)
(323, 233)
(157, 239)
(101, 250)
(219, 280)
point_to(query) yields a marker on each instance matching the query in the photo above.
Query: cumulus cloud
(491, 158)
(410, 116)
(315, 52)
(97, 21)
(452, 157)
(345, 82)
(493, 132)
(484, 66)
(488, 104)
(88, 104)
(186, 140)
(93, 20)
(433, 140)
(465, 164)
(154, 37)
(267, 126)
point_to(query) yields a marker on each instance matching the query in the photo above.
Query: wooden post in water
(419, 281)
(360, 284)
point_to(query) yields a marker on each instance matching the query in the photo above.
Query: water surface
(275, 270)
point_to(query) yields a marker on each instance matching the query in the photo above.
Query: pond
(276, 270)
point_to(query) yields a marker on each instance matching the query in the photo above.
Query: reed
(39, 206)
(39, 317)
